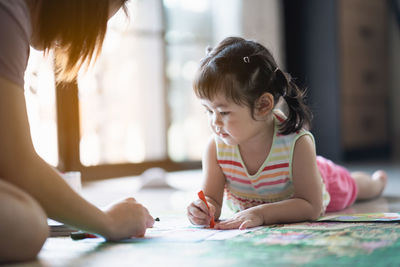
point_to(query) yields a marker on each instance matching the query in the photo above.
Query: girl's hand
(249, 218)
(199, 214)
(127, 219)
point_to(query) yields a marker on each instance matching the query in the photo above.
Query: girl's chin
(228, 141)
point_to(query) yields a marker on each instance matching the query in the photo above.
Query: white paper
(175, 230)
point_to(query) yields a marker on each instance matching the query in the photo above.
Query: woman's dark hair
(75, 29)
(243, 71)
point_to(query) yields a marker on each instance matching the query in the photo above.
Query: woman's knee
(23, 225)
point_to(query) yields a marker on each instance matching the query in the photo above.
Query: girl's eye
(224, 113)
(208, 112)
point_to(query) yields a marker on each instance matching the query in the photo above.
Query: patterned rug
(300, 244)
(342, 244)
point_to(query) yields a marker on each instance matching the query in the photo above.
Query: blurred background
(135, 109)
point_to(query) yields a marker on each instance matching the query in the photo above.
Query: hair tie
(246, 60)
(208, 50)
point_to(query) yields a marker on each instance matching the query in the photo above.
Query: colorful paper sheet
(362, 217)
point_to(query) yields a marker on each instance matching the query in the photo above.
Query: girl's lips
(223, 134)
(220, 133)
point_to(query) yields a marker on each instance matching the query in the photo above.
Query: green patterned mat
(305, 244)
(356, 244)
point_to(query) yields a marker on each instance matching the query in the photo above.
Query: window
(122, 98)
(134, 108)
(189, 32)
(41, 105)
(115, 119)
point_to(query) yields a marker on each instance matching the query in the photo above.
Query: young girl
(265, 161)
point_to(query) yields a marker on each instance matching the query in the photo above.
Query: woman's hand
(199, 214)
(251, 217)
(127, 219)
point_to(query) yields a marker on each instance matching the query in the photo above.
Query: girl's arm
(214, 178)
(306, 203)
(213, 187)
(21, 166)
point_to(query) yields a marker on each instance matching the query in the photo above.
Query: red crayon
(202, 197)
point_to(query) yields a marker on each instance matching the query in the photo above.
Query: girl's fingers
(201, 205)
(212, 210)
(229, 224)
(246, 224)
(251, 221)
(195, 221)
(198, 213)
(197, 217)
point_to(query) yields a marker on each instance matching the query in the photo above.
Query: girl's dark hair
(75, 29)
(244, 70)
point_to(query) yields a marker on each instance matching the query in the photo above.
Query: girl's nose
(216, 120)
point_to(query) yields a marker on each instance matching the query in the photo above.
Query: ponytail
(299, 114)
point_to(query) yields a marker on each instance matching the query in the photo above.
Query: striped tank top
(273, 180)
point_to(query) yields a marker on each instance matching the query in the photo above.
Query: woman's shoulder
(15, 18)
(15, 32)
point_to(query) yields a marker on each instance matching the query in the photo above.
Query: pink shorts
(340, 185)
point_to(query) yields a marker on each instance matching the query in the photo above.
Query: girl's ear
(264, 104)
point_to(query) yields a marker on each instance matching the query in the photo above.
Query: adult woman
(29, 187)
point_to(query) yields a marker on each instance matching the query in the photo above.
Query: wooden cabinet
(363, 74)
(338, 49)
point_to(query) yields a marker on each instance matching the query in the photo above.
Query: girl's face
(233, 123)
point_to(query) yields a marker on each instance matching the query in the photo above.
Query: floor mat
(305, 244)
(321, 243)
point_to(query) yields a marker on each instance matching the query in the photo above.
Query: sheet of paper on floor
(179, 230)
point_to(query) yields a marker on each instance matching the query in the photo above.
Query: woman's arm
(21, 166)
(306, 203)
